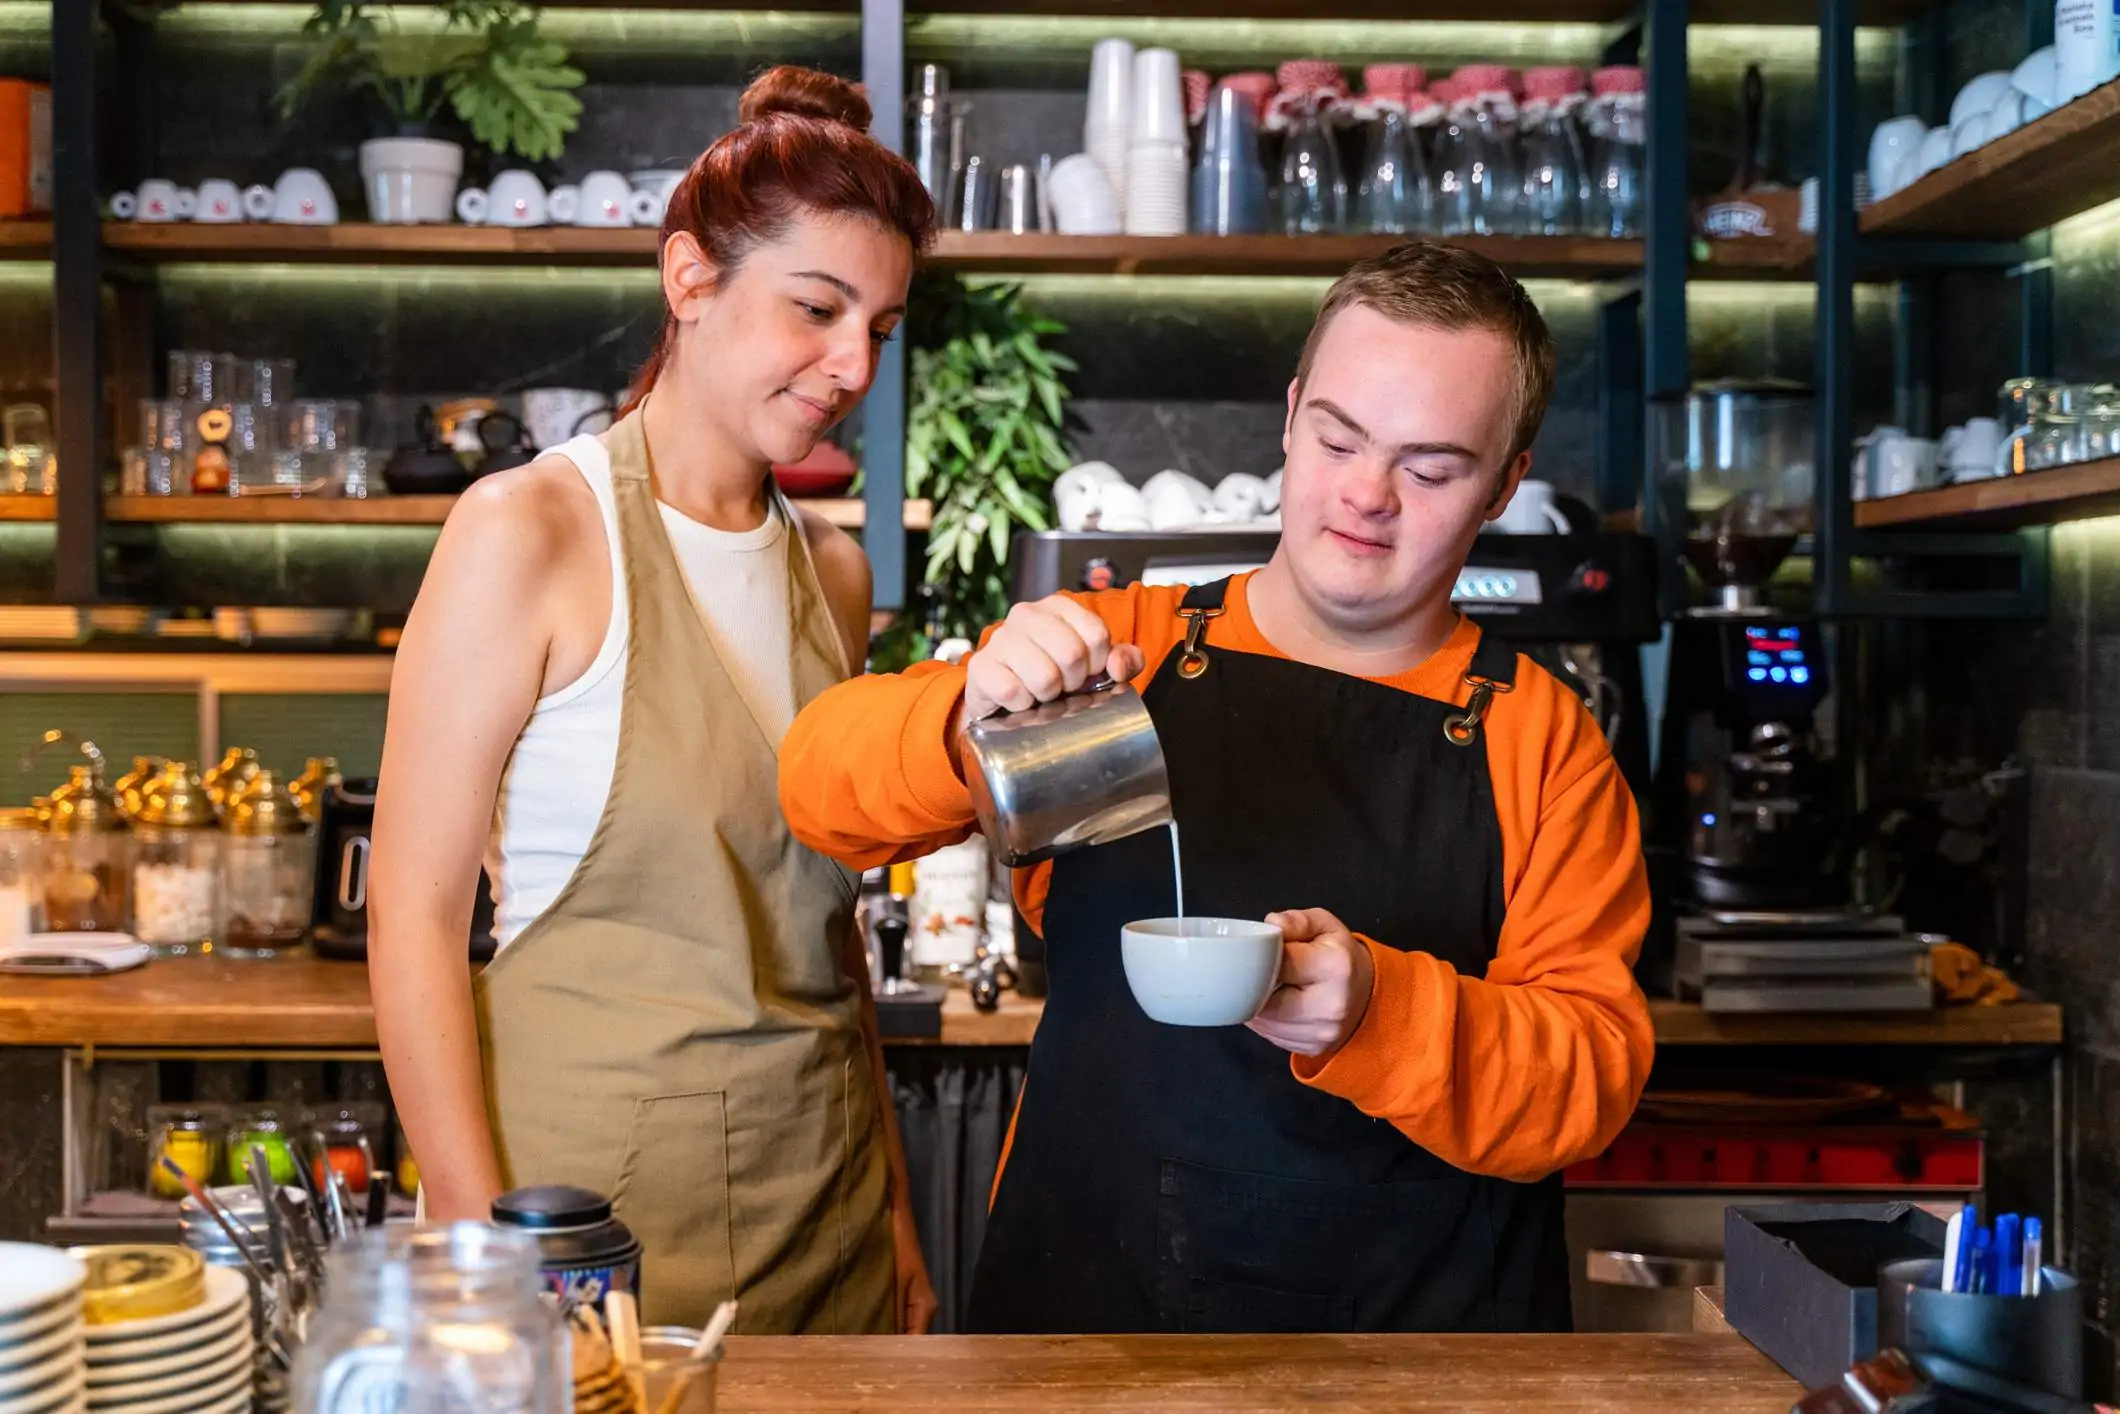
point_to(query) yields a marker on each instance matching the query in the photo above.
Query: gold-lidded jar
(268, 868)
(137, 1282)
(87, 856)
(177, 863)
(21, 874)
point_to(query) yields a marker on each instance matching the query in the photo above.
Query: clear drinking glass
(1553, 170)
(1313, 193)
(31, 463)
(272, 381)
(434, 1319)
(2057, 440)
(1395, 195)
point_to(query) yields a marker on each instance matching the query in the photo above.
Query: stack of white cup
(1107, 129)
(1155, 160)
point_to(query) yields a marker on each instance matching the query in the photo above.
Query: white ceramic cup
(1972, 445)
(1084, 201)
(1531, 511)
(473, 206)
(1979, 94)
(1935, 150)
(516, 198)
(1241, 496)
(1203, 971)
(1899, 464)
(1120, 506)
(258, 202)
(303, 198)
(601, 199)
(1892, 140)
(1969, 136)
(161, 199)
(646, 205)
(124, 205)
(2007, 115)
(553, 415)
(220, 202)
(1270, 495)
(2036, 77)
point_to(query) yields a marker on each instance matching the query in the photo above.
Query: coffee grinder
(1742, 793)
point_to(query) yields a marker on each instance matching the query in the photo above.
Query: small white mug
(1899, 463)
(515, 198)
(219, 202)
(601, 199)
(1971, 446)
(258, 202)
(1531, 511)
(303, 198)
(161, 199)
(645, 207)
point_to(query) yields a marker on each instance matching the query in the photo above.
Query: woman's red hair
(801, 146)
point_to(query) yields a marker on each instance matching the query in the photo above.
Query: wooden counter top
(1464, 1374)
(307, 1003)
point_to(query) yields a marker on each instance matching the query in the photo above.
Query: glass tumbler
(31, 463)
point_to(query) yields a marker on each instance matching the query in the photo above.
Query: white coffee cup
(1935, 150)
(1201, 971)
(2007, 115)
(220, 202)
(1899, 463)
(1120, 506)
(303, 198)
(1969, 135)
(646, 205)
(1892, 139)
(514, 198)
(553, 415)
(1979, 94)
(1531, 511)
(258, 202)
(124, 205)
(1971, 446)
(1240, 495)
(2036, 78)
(661, 180)
(601, 199)
(161, 199)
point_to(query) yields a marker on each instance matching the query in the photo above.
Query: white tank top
(558, 776)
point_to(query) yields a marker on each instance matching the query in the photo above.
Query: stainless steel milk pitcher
(1083, 770)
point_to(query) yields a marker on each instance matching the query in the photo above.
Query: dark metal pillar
(1668, 243)
(77, 302)
(883, 413)
(1833, 518)
(1620, 452)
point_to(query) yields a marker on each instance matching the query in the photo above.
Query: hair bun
(807, 93)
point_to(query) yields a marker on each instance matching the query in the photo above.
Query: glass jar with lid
(268, 869)
(176, 864)
(230, 774)
(319, 773)
(21, 874)
(434, 1318)
(87, 855)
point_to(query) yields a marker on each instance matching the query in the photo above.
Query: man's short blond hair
(1445, 287)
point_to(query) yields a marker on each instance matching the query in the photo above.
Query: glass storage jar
(87, 856)
(434, 1318)
(21, 874)
(127, 789)
(319, 773)
(189, 1136)
(176, 864)
(228, 775)
(268, 869)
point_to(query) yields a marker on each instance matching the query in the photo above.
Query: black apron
(1166, 1178)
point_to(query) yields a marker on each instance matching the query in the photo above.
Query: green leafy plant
(489, 64)
(986, 435)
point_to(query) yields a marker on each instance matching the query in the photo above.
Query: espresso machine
(1748, 831)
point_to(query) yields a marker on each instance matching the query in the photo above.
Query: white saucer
(225, 1287)
(226, 1365)
(65, 1336)
(38, 1324)
(116, 1360)
(191, 1398)
(33, 1276)
(55, 1399)
(57, 1369)
(104, 1377)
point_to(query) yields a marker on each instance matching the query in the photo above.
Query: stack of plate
(40, 1330)
(197, 1361)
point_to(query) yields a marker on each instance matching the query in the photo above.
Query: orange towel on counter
(1516, 1074)
(1962, 978)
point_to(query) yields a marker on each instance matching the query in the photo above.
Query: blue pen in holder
(2034, 1340)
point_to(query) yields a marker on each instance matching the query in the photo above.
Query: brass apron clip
(1193, 661)
(1463, 728)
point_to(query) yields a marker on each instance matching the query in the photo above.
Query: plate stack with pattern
(176, 1336)
(40, 1330)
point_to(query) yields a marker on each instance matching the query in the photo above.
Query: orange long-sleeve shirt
(1515, 1074)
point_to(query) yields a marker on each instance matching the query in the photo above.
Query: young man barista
(1435, 824)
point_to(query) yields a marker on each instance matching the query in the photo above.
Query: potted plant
(986, 436)
(483, 61)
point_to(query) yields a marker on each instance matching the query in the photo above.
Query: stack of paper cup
(1155, 162)
(1108, 126)
(1082, 198)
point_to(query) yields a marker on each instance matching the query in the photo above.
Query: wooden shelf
(2063, 493)
(22, 508)
(1758, 255)
(361, 243)
(2048, 170)
(2015, 1024)
(844, 512)
(1768, 12)
(26, 238)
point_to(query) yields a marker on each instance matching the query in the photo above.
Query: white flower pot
(411, 180)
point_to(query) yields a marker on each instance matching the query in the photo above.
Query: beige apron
(677, 1030)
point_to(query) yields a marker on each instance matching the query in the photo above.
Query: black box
(1800, 1279)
